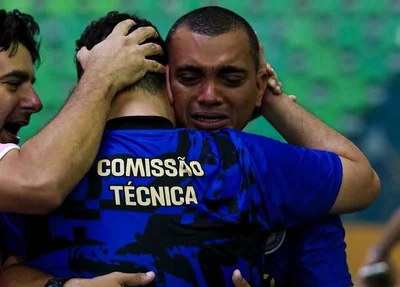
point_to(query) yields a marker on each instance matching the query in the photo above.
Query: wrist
(57, 282)
(95, 80)
(378, 252)
(271, 106)
(72, 283)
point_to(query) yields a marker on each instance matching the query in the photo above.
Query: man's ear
(168, 85)
(262, 83)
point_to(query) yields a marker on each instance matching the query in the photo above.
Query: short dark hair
(98, 30)
(17, 27)
(215, 21)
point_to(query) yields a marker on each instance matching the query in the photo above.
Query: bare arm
(21, 275)
(38, 177)
(52, 162)
(390, 237)
(360, 184)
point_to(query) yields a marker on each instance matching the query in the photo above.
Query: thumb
(135, 279)
(238, 279)
(82, 56)
(12, 260)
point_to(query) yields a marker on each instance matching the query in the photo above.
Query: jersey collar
(139, 122)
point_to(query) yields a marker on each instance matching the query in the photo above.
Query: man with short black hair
(214, 84)
(35, 178)
(208, 23)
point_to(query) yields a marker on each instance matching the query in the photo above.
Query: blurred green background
(339, 57)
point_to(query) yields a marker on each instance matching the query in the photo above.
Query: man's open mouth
(209, 119)
(12, 129)
(209, 122)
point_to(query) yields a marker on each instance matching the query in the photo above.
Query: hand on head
(121, 57)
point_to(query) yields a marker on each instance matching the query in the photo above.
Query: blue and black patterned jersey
(190, 205)
(313, 254)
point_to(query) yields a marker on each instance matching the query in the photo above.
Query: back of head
(98, 30)
(17, 27)
(215, 21)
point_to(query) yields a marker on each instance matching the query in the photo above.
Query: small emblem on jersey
(269, 281)
(274, 241)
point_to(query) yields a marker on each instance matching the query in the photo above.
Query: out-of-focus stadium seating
(327, 53)
(338, 56)
(335, 55)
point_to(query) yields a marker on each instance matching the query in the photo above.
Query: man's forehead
(189, 48)
(19, 61)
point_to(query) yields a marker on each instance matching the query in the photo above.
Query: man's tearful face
(18, 98)
(213, 81)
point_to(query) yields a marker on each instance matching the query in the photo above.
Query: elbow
(43, 196)
(372, 190)
(49, 202)
(49, 199)
(360, 188)
(377, 186)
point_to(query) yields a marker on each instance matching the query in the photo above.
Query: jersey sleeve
(320, 254)
(297, 184)
(5, 148)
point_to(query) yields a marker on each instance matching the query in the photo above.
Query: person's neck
(138, 103)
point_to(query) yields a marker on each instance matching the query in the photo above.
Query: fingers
(151, 49)
(238, 279)
(154, 66)
(275, 86)
(122, 28)
(270, 71)
(134, 279)
(142, 34)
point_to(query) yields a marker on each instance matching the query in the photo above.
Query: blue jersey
(191, 206)
(3, 252)
(313, 254)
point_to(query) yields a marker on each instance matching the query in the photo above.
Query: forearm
(299, 127)
(20, 275)
(61, 153)
(391, 235)
(360, 184)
